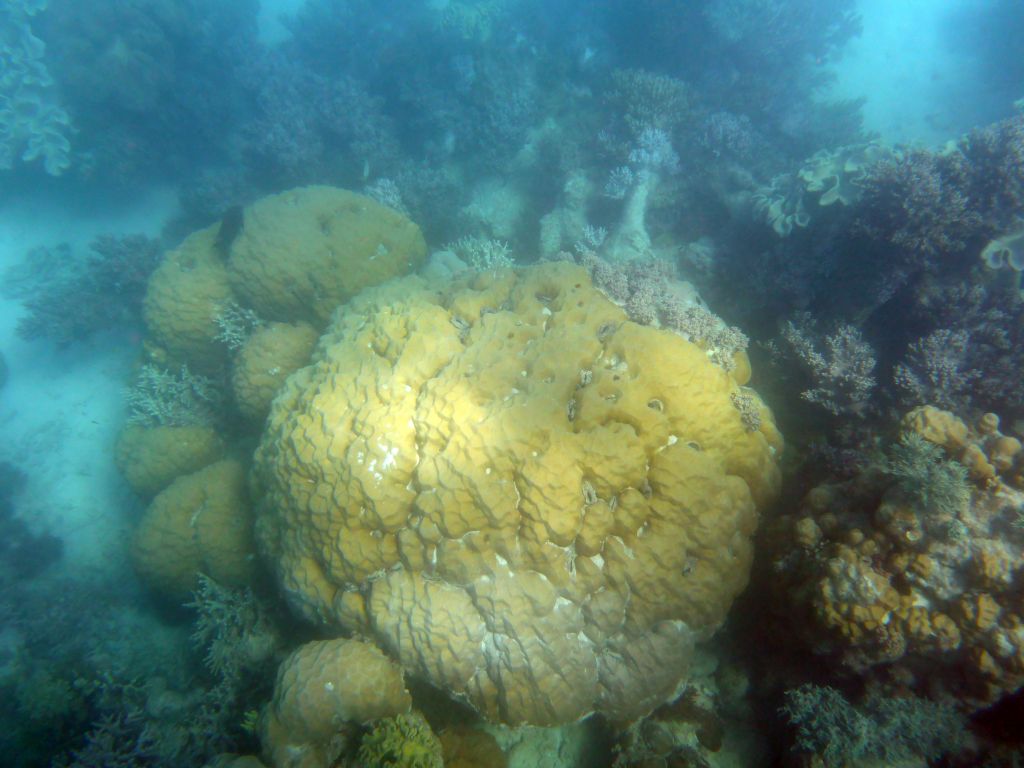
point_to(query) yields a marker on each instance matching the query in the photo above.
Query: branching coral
(842, 376)
(482, 254)
(162, 398)
(974, 358)
(652, 294)
(927, 478)
(887, 729)
(936, 370)
(647, 100)
(305, 121)
(233, 629)
(920, 204)
(70, 297)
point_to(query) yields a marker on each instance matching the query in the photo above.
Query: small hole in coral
(656, 405)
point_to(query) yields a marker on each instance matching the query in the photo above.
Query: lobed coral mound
(303, 252)
(200, 523)
(519, 494)
(322, 687)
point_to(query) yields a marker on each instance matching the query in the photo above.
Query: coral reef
(781, 205)
(892, 731)
(835, 176)
(486, 525)
(651, 158)
(905, 573)
(120, 70)
(404, 741)
(234, 631)
(160, 398)
(184, 297)
(652, 293)
(841, 378)
(1005, 251)
(531, 491)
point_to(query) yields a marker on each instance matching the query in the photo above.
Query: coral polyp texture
(302, 252)
(527, 499)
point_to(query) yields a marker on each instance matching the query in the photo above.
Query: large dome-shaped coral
(524, 497)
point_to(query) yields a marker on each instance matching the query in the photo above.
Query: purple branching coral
(933, 206)
(974, 356)
(69, 299)
(996, 155)
(308, 125)
(842, 376)
(918, 203)
(652, 294)
(724, 133)
(936, 371)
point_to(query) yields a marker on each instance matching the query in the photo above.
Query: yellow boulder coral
(268, 357)
(523, 496)
(184, 297)
(149, 458)
(200, 523)
(303, 252)
(323, 687)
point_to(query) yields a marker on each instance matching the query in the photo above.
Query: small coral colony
(520, 383)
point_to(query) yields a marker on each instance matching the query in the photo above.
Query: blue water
(831, 191)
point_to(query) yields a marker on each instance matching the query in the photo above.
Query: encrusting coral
(913, 563)
(528, 500)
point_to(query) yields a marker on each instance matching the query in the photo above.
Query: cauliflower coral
(523, 497)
